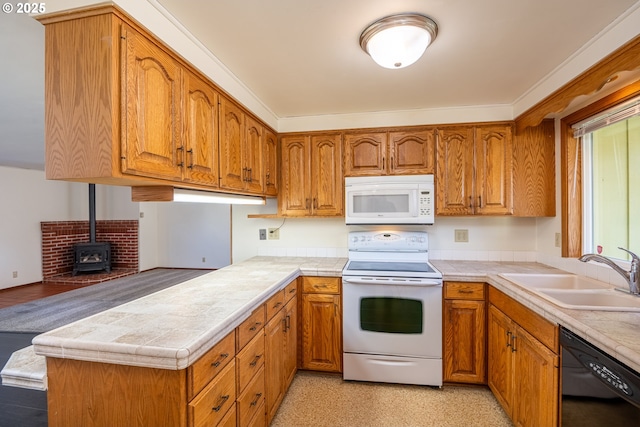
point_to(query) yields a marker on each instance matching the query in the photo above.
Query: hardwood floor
(33, 291)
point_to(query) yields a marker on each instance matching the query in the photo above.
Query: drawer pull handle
(222, 400)
(508, 338)
(255, 326)
(278, 304)
(220, 359)
(256, 400)
(288, 321)
(513, 345)
(292, 290)
(465, 291)
(255, 360)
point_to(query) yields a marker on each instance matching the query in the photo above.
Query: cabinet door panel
(295, 176)
(365, 154)
(321, 332)
(455, 171)
(500, 358)
(274, 362)
(536, 390)
(464, 358)
(252, 155)
(290, 342)
(200, 154)
(232, 173)
(270, 164)
(151, 102)
(494, 163)
(326, 174)
(412, 152)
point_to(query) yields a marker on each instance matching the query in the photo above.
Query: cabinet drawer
(291, 290)
(229, 420)
(210, 406)
(250, 328)
(259, 420)
(209, 365)
(274, 304)
(249, 361)
(464, 290)
(251, 401)
(321, 285)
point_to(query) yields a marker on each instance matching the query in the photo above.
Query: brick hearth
(58, 238)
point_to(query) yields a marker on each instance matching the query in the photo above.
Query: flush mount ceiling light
(398, 41)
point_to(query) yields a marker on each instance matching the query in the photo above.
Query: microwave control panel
(426, 203)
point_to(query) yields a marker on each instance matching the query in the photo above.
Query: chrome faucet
(632, 276)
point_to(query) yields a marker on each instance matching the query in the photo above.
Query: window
(610, 145)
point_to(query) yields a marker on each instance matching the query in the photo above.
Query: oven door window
(391, 315)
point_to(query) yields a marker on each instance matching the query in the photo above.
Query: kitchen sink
(607, 299)
(555, 281)
(575, 292)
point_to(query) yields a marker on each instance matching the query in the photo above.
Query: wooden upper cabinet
(200, 151)
(232, 169)
(412, 152)
(475, 166)
(327, 186)
(402, 152)
(295, 176)
(364, 154)
(454, 192)
(252, 154)
(270, 158)
(493, 157)
(241, 150)
(152, 98)
(311, 181)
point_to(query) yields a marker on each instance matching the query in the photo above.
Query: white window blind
(607, 117)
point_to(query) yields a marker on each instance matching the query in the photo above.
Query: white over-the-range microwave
(402, 199)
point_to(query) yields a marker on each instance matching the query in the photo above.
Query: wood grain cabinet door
(500, 358)
(494, 170)
(200, 151)
(232, 126)
(365, 154)
(464, 349)
(454, 181)
(252, 151)
(321, 332)
(270, 157)
(536, 388)
(295, 178)
(274, 362)
(152, 99)
(327, 186)
(412, 152)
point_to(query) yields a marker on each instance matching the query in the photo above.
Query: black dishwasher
(597, 390)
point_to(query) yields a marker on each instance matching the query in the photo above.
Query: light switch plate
(263, 234)
(461, 235)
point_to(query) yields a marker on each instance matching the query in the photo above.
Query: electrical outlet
(141, 214)
(204, 259)
(558, 240)
(461, 235)
(274, 233)
(15, 274)
(263, 234)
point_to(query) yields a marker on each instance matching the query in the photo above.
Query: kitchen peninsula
(165, 333)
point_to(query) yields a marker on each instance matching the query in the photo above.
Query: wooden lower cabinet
(281, 356)
(523, 362)
(464, 333)
(321, 324)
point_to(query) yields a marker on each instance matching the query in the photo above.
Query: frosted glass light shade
(398, 41)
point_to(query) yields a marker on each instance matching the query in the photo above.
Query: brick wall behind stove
(58, 238)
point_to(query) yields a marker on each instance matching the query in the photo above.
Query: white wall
(490, 238)
(193, 235)
(28, 199)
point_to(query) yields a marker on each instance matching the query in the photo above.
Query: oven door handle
(391, 281)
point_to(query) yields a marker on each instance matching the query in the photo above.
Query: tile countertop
(615, 332)
(172, 328)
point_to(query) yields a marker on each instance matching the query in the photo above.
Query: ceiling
(302, 58)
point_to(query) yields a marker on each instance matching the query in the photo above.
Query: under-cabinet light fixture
(195, 196)
(397, 41)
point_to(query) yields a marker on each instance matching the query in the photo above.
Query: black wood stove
(92, 256)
